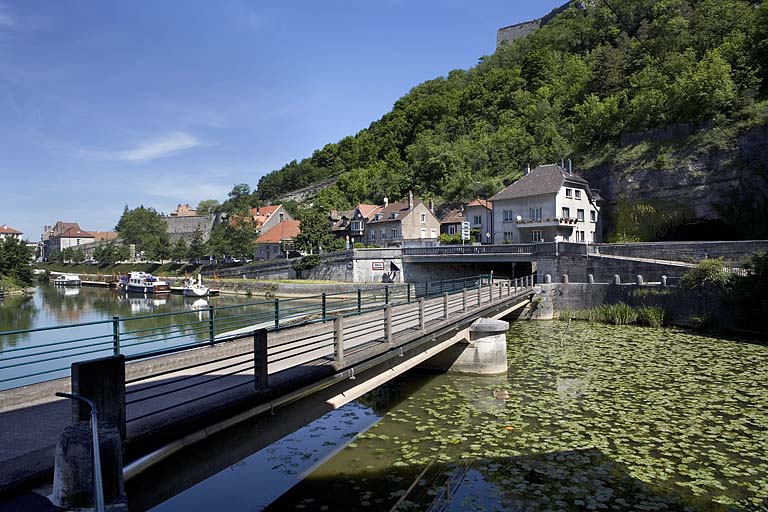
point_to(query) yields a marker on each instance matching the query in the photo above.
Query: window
(509, 236)
(592, 216)
(394, 233)
(424, 232)
(423, 217)
(281, 217)
(566, 213)
(478, 220)
(569, 192)
(433, 233)
(78, 241)
(577, 194)
(535, 214)
(579, 236)
(508, 216)
(580, 215)
(451, 230)
(536, 235)
(373, 234)
(383, 234)
(357, 225)
(592, 236)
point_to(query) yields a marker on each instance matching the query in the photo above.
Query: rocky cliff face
(662, 169)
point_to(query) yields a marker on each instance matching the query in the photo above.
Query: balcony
(547, 222)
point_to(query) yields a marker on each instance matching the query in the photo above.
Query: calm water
(600, 418)
(26, 358)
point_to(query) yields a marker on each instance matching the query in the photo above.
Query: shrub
(708, 273)
(618, 314)
(651, 316)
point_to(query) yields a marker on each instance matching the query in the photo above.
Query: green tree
(179, 250)
(78, 256)
(197, 246)
(235, 238)
(316, 236)
(208, 206)
(15, 261)
(110, 253)
(147, 229)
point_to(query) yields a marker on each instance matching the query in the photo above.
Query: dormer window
(394, 215)
(379, 216)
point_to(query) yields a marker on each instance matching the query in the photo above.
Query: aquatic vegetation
(603, 418)
(651, 316)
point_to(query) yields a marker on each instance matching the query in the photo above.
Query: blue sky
(152, 102)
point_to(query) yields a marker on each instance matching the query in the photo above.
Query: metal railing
(248, 362)
(36, 355)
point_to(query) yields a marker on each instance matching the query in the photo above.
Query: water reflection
(17, 312)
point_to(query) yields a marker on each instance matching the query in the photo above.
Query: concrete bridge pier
(483, 353)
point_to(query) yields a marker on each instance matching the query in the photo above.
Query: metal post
(359, 301)
(409, 292)
(388, 324)
(324, 306)
(426, 289)
(386, 295)
(464, 299)
(490, 290)
(441, 287)
(260, 374)
(422, 320)
(445, 305)
(211, 325)
(479, 294)
(116, 335)
(98, 486)
(277, 314)
(338, 330)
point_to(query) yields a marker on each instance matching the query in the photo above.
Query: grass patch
(619, 314)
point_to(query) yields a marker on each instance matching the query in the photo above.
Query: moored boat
(67, 280)
(146, 284)
(194, 288)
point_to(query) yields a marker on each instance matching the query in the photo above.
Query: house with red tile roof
(350, 224)
(479, 214)
(63, 235)
(271, 244)
(267, 217)
(8, 232)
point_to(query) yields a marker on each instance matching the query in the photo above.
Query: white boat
(194, 288)
(67, 280)
(146, 284)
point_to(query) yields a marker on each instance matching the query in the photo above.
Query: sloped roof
(75, 233)
(453, 217)
(104, 236)
(7, 230)
(283, 231)
(481, 202)
(545, 179)
(401, 208)
(261, 214)
(62, 227)
(367, 210)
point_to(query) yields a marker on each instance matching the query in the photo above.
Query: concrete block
(102, 381)
(486, 353)
(73, 472)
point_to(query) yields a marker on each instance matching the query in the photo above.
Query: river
(591, 417)
(146, 323)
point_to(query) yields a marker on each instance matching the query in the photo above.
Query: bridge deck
(182, 387)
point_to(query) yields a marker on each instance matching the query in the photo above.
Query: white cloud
(168, 145)
(6, 21)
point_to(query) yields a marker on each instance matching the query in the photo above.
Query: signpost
(464, 232)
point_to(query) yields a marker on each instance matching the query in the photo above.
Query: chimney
(528, 169)
(386, 201)
(410, 200)
(431, 205)
(570, 167)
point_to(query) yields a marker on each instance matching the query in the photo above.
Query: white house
(547, 204)
(479, 214)
(9, 232)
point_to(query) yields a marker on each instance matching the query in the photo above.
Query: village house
(183, 210)
(403, 224)
(277, 241)
(450, 222)
(548, 204)
(350, 224)
(8, 232)
(267, 217)
(63, 235)
(479, 214)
